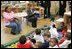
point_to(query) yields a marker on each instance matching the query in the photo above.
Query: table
(21, 15)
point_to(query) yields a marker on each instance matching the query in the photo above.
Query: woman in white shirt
(10, 20)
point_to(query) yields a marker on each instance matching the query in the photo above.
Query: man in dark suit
(46, 5)
(31, 18)
(62, 6)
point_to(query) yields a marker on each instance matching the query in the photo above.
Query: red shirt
(61, 40)
(64, 31)
(26, 45)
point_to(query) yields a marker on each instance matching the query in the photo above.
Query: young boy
(38, 36)
(46, 40)
(23, 43)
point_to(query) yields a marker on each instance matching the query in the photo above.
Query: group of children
(51, 39)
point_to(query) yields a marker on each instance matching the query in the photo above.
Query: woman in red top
(23, 43)
(64, 30)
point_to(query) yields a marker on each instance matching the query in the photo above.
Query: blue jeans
(16, 28)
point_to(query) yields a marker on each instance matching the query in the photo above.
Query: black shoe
(45, 17)
(13, 33)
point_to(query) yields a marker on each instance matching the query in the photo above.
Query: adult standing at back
(46, 5)
(62, 6)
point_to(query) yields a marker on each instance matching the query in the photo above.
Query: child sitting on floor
(38, 45)
(66, 41)
(53, 43)
(23, 43)
(38, 36)
(46, 40)
(53, 32)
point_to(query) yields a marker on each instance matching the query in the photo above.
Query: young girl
(37, 45)
(53, 43)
